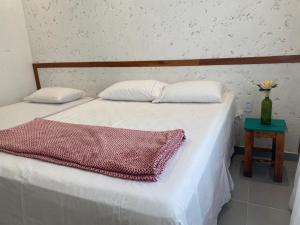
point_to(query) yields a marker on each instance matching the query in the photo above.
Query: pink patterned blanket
(123, 153)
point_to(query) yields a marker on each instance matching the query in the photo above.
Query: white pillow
(192, 91)
(55, 95)
(134, 90)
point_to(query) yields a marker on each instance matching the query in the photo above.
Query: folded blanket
(123, 153)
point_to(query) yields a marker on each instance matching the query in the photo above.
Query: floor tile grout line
(256, 204)
(266, 206)
(239, 201)
(248, 193)
(247, 211)
(263, 206)
(247, 204)
(248, 197)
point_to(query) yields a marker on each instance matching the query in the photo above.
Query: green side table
(276, 131)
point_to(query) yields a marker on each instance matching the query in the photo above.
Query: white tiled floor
(258, 200)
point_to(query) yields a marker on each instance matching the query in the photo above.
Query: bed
(22, 112)
(191, 191)
(295, 198)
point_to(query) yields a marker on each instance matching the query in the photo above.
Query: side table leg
(273, 151)
(248, 154)
(279, 157)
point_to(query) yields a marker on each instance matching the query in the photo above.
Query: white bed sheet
(192, 189)
(295, 199)
(22, 112)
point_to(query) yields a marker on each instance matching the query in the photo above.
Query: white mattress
(23, 112)
(192, 189)
(295, 199)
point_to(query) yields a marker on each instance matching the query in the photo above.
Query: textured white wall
(16, 76)
(92, 30)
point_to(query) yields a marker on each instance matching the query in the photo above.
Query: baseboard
(287, 155)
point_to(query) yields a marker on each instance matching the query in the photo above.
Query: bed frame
(168, 63)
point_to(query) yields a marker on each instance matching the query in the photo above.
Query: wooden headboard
(168, 63)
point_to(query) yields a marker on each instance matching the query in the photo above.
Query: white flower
(267, 85)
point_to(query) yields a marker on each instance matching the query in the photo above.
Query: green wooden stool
(276, 131)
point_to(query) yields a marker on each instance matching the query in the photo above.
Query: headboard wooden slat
(168, 63)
